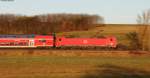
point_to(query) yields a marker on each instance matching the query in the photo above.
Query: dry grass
(73, 64)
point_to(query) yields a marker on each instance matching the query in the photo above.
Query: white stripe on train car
(17, 46)
(44, 45)
(21, 39)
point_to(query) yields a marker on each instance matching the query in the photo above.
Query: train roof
(17, 36)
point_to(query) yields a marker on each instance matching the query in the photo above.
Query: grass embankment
(117, 30)
(54, 66)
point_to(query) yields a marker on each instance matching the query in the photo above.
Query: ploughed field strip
(76, 52)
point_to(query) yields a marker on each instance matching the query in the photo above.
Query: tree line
(48, 23)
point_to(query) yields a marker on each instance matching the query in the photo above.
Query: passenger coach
(26, 41)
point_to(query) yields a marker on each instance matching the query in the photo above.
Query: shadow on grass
(111, 71)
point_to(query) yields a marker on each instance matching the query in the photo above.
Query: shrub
(134, 41)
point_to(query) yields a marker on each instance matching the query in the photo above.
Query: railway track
(66, 48)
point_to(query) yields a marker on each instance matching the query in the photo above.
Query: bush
(134, 41)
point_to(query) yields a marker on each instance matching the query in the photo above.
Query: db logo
(85, 41)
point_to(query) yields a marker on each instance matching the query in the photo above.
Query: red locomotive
(105, 42)
(52, 40)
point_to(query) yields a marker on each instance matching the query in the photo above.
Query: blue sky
(114, 11)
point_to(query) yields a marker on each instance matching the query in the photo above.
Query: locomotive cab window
(42, 40)
(60, 39)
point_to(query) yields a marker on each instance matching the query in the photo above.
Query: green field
(74, 67)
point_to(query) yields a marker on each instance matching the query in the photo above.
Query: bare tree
(144, 29)
(44, 24)
(144, 18)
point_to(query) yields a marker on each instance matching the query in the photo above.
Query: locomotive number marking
(85, 41)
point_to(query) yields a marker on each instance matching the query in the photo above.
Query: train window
(42, 40)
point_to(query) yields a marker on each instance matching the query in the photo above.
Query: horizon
(114, 12)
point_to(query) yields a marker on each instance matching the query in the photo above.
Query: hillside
(117, 30)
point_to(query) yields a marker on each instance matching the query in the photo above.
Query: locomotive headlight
(111, 44)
